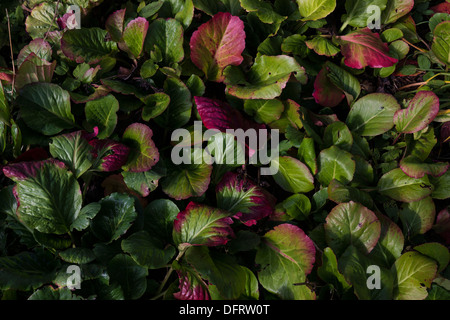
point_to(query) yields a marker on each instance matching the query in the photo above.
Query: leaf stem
(167, 276)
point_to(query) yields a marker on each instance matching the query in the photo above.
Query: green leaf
(220, 270)
(352, 224)
(340, 193)
(48, 293)
(133, 37)
(441, 186)
(159, 216)
(45, 107)
(293, 175)
(335, 163)
(414, 273)
(74, 150)
(201, 225)
(77, 255)
(315, 9)
(344, 80)
(286, 256)
(87, 45)
(27, 270)
(187, 180)
(130, 276)
(358, 12)
(373, 114)
(354, 265)
(329, 271)
(167, 37)
(337, 134)
(422, 109)
(297, 206)
(437, 252)
(102, 113)
(142, 182)
(179, 110)
(266, 78)
(441, 40)
(418, 216)
(115, 217)
(4, 107)
(322, 46)
(87, 213)
(144, 154)
(148, 251)
(395, 9)
(41, 20)
(307, 154)
(263, 10)
(398, 186)
(264, 111)
(49, 195)
(155, 104)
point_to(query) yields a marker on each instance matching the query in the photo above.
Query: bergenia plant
(224, 150)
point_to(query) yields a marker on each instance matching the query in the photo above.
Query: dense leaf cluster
(359, 91)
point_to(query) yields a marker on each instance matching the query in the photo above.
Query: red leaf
(325, 92)
(443, 7)
(217, 44)
(363, 48)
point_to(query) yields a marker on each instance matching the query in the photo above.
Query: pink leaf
(325, 92)
(363, 48)
(28, 169)
(443, 7)
(217, 44)
(190, 288)
(113, 154)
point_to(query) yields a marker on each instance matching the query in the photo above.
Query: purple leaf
(243, 198)
(28, 169)
(217, 44)
(111, 154)
(191, 288)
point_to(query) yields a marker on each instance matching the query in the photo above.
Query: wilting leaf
(144, 154)
(49, 196)
(217, 44)
(363, 48)
(243, 198)
(352, 224)
(202, 225)
(414, 273)
(266, 79)
(398, 186)
(422, 109)
(286, 255)
(373, 114)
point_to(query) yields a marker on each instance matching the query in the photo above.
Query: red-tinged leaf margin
(325, 92)
(415, 168)
(443, 7)
(28, 169)
(143, 154)
(363, 48)
(115, 24)
(216, 221)
(421, 100)
(295, 238)
(261, 203)
(217, 44)
(133, 36)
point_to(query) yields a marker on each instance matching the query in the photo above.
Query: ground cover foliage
(359, 91)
